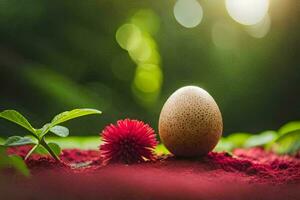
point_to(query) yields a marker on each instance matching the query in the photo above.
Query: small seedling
(38, 135)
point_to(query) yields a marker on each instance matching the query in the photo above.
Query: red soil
(248, 174)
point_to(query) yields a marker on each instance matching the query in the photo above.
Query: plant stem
(30, 152)
(45, 145)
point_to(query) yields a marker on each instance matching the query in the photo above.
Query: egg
(190, 122)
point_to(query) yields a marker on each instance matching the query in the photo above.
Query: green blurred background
(126, 57)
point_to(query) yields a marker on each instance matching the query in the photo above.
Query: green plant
(286, 140)
(37, 138)
(13, 161)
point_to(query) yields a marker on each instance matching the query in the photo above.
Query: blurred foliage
(126, 57)
(284, 141)
(289, 143)
(89, 143)
(289, 127)
(260, 139)
(13, 161)
(77, 142)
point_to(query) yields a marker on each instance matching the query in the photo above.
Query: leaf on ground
(80, 165)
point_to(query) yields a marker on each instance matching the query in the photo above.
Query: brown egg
(190, 123)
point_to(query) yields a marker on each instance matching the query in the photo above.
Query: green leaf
(65, 116)
(43, 151)
(44, 130)
(17, 118)
(261, 139)
(60, 131)
(288, 143)
(55, 148)
(291, 126)
(13, 161)
(2, 141)
(18, 141)
(223, 145)
(40, 150)
(238, 140)
(161, 149)
(18, 163)
(68, 115)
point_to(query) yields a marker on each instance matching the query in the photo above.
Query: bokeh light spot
(146, 20)
(247, 12)
(143, 50)
(261, 29)
(137, 38)
(188, 13)
(148, 78)
(128, 36)
(224, 35)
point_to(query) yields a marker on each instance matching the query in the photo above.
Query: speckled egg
(190, 122)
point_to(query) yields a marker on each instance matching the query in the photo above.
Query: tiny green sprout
(37, 138)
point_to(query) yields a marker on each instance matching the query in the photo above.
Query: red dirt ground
(247, 174)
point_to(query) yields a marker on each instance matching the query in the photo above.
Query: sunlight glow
(247, 12)
(143, 50)
(128, 36)
(261, 29)
(188, 13)
(137, 38)
(224, 35)
(146, 20)
(148, 78)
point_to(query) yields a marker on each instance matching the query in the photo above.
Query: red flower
(129, 141)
